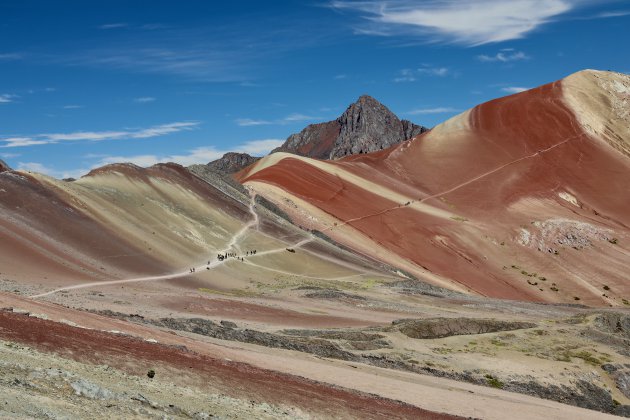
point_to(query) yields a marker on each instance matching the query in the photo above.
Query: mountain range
(367, 268)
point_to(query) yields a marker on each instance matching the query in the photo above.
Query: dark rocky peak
(366, 126)
(4, 167)
(232, 162)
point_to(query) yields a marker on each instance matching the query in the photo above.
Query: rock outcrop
(232, 162)
(366, 126)
(219, 173)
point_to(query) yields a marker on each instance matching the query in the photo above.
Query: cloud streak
(514, 89)
(504, 56)
(5, 98)
(41, 139)
(470, 23)
(411, 75)
(289, 119)
(199, 155)
(10, 57)
(144, 99)
(113, 25)
(426, 111)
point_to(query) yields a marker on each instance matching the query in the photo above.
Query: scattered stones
(546, 236)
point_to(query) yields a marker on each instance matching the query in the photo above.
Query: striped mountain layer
(523, 197)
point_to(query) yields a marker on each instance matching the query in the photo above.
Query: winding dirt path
(232, 244)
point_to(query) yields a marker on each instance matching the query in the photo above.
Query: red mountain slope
(523, 197)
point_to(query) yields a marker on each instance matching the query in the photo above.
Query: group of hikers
(227, 255)
(222, 257)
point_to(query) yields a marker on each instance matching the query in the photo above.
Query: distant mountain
(366, 126)
(231, 162)
(4, 167)
(219, 172)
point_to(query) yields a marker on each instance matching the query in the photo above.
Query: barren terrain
(398, 284)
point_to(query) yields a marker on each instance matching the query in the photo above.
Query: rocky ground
(34, 384)
(566, 353)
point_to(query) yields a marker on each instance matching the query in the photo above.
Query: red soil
(522, 147)
(235, 379)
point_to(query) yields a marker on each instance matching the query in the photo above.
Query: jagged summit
(366, 126)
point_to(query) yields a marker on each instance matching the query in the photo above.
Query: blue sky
(84, 83)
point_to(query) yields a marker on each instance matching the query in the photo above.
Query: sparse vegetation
(151, 373)
(494, 382)
(606, 287)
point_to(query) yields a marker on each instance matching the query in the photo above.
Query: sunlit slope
(523, 197)
(123, 224)
(117, 221)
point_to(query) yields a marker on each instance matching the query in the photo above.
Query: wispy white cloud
(5, 98)
(470, 23)
(155, 131)
(206, 53)
(153, 26)
(298, 117)
(514, 89)
(248, 122)
(434, 71)
(438, 110)
(200, 155)
(289, 119)
(34, 167)
(405, 75)
(114, 25)
(614, 14)
(341, 76)
(73, 106)
(259, 147)
(411, 75)
(504, 56)
(9, 155)
(10, 56)
(47, 170)
(144, 99)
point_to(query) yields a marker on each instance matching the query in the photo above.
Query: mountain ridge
(545, 180)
